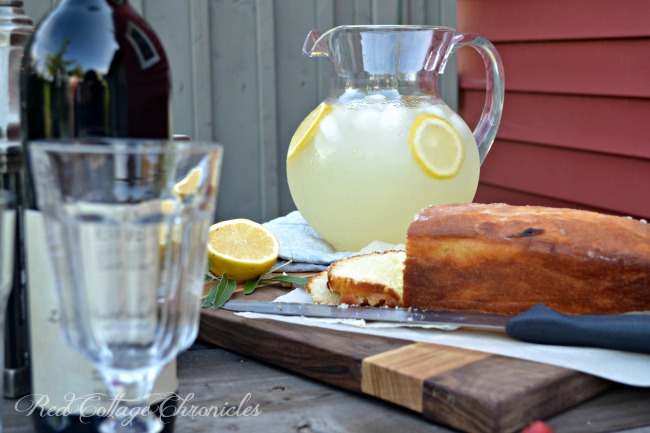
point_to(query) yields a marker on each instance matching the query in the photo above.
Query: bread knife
(540, 324)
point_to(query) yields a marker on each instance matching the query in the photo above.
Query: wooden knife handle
(542, 325)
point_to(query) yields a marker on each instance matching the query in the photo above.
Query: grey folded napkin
(306, 250)
(301, 245)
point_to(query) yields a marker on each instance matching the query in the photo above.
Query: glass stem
(132, 390)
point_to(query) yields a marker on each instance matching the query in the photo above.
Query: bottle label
(8, 227)
(61, 377)
(111, 255)
(143, 46)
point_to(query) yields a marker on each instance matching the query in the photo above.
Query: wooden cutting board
(471, 391)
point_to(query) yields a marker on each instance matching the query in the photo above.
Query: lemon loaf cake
(505, 259)
(320, 291)
(370, 279)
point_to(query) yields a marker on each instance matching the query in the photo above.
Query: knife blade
(495, 322)
(540, 324)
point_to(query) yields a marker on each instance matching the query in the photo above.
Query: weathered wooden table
(272, 399)
(291, 403)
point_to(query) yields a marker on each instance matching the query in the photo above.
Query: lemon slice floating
(305, 132)
(242, 249)
(436, 146)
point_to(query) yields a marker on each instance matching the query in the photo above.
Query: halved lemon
(305, 132)
(436, 146)
(242, 249)
(189, 184)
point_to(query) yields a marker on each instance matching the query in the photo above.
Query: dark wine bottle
(15, 30)
(93, 68)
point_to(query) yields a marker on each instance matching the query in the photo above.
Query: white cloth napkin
(301, 245)
(305, 249)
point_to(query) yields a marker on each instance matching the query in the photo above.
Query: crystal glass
(127, 224)
(7, 229)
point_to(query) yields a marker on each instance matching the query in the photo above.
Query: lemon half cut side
(307, 128)
(436, 146)
(242, 249)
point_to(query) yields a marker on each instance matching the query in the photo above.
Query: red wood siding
(575, 130)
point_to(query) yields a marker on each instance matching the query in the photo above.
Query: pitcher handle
(486, 130)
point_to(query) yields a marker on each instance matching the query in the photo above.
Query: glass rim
(398, 27)
(126, 146)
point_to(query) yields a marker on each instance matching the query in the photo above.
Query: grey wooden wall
(240, 78)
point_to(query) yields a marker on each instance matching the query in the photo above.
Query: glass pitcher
(384, 145)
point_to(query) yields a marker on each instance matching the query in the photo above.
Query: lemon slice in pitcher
(242, 249)
(189, 184)
(436, 146)
(305, 132)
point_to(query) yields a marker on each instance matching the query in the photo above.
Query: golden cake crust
(505, 259)
(370, 279)
(319, 289)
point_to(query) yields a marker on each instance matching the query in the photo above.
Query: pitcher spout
(317, 44)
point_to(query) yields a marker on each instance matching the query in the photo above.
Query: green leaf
(287, 279)
(212, 295)
(226, 293)
(250, 286)
(220, 293)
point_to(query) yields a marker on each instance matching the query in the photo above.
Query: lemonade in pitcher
(384, 145)
(405, 157)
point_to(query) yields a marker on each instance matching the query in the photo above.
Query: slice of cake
(369, 279)
(319, 290)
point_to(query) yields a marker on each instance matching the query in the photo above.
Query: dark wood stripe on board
(470, 398)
